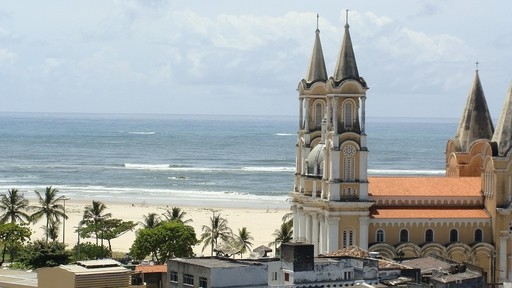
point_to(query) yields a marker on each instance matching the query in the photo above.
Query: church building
(465, 215)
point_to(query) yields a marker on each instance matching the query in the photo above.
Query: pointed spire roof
(476, 122)
(317, 71)
(346, 66)
(503, 134)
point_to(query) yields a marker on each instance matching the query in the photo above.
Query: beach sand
(260, 222)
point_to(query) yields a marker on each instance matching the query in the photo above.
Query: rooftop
(425, 186)
(428, 213)
(212, 262)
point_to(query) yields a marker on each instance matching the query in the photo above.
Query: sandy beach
(260, 222)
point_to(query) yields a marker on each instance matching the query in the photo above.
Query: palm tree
(282, 235)
(150, 221)
(176, 214)
(94, 216)
(14, 204)
(49, 207)
(244, 240)
(218, 229)
(52, 231)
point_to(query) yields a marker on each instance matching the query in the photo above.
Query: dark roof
(503, 134)
(346, 67)
(476, 121)
(317, 71)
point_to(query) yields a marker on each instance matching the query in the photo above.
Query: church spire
(346, 66)
(503, 134)
(317, 71)
(476, 121)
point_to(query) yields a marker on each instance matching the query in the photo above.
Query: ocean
(175, 160)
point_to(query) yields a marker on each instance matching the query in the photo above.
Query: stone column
(295, 222)
(307, 237)
(333, 233)
(503, 258)
(314, 232)
(335, 115)
(301, 112)
(306, 118)
(322, 234)
(363, 232)
(363, 115)
(302, 225)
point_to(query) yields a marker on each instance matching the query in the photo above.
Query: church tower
(330, 199)
(465, 152)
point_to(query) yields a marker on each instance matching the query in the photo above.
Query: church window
(319, 108)
(479, 235)
(348, 238)
(380, 235)
(404, 235)
(347, 119)
(349, 173)
(429, 235)
(454, 235)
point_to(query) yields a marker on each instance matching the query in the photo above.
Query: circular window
(349, 151)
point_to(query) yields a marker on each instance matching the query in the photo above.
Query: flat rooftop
(212, 262)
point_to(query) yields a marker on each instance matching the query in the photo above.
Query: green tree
(49, 207)
(167, 240)
(12, 236)
(93, 218)
(282, 235)
(218, 229)
(113, 228)
(151, 220)
(43, 254)
(90, 251)
(14, 204)
(52, 231)
(244, 240)
(176, 214)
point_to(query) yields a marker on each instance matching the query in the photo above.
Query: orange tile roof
(428, 213)
(151, 268)
(425, 186)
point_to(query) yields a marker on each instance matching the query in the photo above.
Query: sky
(247, 57)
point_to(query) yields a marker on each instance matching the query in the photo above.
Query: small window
(348, 238)
(274, 276)
(454, 235)
(203, 282)
(479, 235)
(174, 276)
(188, 280)
(348, 115)
(380, 235)
(286, 277)
(429, 235)
(347, 275)
(319, 115)
(404, 235)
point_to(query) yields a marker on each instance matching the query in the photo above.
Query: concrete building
(212, 272)
(465, 215)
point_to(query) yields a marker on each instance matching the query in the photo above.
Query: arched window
(349, 169)
(479, 235)
(380, 235)
(404, 235)
(347, 113)
(319, 114)
(429, 235)
(454, 235)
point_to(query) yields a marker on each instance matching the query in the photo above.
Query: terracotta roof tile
(430, 213)
(425, 186)
(151, 268)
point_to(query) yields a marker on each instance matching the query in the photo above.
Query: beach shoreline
(260, 221)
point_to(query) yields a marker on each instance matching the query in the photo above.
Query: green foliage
(50, 208)
(283, 235)
(43, 254)
(90, 251)
(14, 205)
(167, 240)
(151, 220)
(12, 236)
(176, 214)
(113, 228)
(93, 218)
(218, 229)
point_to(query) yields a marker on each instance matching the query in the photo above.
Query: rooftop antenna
(317, 16)
(346, 19)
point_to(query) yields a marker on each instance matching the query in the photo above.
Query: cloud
(7, 56)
